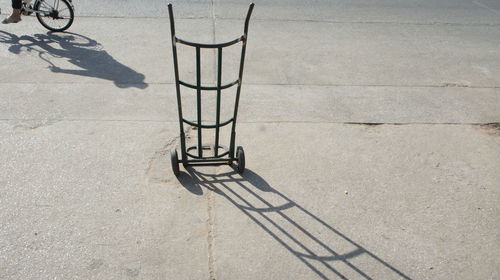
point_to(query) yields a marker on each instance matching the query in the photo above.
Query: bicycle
(55, 15)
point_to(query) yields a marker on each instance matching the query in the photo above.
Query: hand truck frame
(217, 158)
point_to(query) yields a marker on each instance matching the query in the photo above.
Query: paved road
(371, 130)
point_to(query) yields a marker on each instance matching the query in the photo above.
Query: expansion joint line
(210, 197)
(211, 234)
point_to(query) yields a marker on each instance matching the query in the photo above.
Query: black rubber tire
(240, 156)
(42, 19)
(175, 162)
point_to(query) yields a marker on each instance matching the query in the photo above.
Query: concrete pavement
(370, 130)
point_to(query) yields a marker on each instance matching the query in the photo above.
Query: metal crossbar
(217, 157)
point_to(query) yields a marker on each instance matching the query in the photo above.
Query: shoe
(10, 20)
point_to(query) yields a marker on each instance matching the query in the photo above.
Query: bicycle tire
(45, 13)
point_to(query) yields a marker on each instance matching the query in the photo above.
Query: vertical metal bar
(247, 20)
(217, 118)
(198, 99)
(240, 80)
(177, 86)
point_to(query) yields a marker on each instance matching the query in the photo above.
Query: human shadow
(85, 53)
(252, 187)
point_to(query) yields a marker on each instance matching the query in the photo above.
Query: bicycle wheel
(55, 15)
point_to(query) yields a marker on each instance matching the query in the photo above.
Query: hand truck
(194, 155)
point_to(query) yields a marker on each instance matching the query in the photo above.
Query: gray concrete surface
(371, 131)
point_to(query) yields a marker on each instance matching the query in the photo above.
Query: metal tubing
(208, 125)
(240, 80)
(217, 158)
(210, 46)
(197, 157)
(219, 82)
(209, 163)
(198, 99)
(247, 20)
(210, 159)
(226, 152)
(208, 88)
(177, 87)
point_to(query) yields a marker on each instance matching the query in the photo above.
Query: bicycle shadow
(304, 244)
(80, 51)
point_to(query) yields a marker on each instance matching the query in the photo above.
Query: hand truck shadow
(251, 183)
(83, 52)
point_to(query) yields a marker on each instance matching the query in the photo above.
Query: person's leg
(16, 12)
(16, 4)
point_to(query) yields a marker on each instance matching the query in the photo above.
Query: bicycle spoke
(51, 17)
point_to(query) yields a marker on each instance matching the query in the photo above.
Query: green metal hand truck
(217, 157)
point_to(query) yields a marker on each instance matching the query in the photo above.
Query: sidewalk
(371, 135)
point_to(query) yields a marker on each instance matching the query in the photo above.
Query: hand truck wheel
(175, 162)
(240, 157)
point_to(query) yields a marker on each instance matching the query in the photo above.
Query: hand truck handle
(247, 20)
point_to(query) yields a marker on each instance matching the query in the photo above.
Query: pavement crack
(34, 124)
(492, 128)
(291, 84)
(211, 234)
(365, 123)
(462, 85)
(160, 160)
(210, 198)
(493, 125)
(304, 20)
(374, 22)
